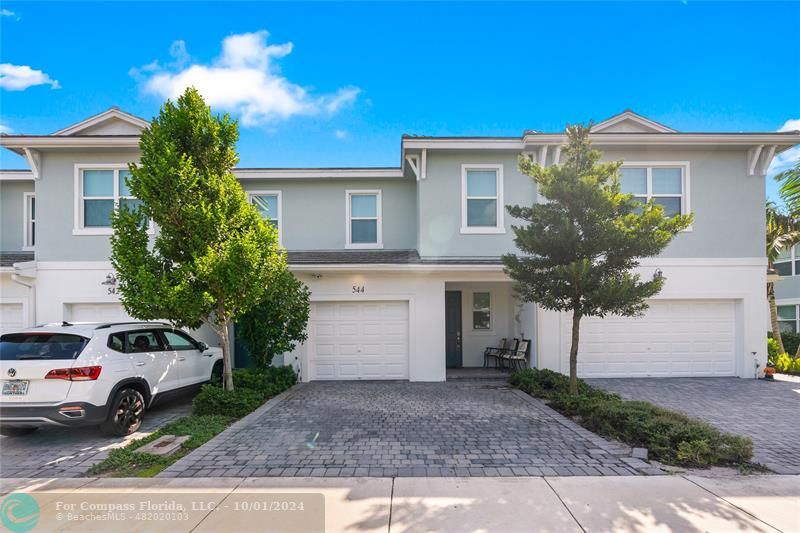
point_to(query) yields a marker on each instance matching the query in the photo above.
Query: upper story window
(482, 199)
(268, 204)
(29, 227)
(482, 310)
(665, 183)
(99, 189)
(364, 219)
(788, 263)
(788, 319)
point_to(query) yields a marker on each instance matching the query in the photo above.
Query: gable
(111, 122)
(630, 122)
(112, 126)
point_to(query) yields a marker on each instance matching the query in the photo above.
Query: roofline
(633, 115)
(312, 173)
(16, 175)
(99, 117)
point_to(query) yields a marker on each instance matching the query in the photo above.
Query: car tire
(216, 374)
(16, 432)
(126, 413)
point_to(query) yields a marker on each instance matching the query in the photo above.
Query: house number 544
(359, 289)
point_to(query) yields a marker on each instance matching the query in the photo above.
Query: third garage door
(358, 340)
(674, 338)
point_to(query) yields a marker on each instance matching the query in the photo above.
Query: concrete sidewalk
(665, 503)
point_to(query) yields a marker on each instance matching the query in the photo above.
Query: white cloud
(20, 77)
(341, 134)
(787, 159)
(7, 13)
(244, 79)
(5, 129)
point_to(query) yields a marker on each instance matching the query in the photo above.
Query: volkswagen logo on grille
(12, 372)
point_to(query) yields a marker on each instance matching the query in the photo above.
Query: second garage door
(674, 338)
(96, 312)
(358, 340)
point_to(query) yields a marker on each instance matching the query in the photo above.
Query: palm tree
(790, 187)
(783, 232)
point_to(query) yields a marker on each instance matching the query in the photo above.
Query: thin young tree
(580, 247)
(213, 255)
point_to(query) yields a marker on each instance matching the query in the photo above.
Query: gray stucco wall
(788, 288)
(55, 198)
(727, 203)
(314, 211)
(12, 212)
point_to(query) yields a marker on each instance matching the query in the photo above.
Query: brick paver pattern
(768, 412)
(390, 429)
(71, 452)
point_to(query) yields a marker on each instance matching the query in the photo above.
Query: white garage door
(12, 316)
(674, 338)
(358, 340)
(96, 312)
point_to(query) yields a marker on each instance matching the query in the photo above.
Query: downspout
(32, 312)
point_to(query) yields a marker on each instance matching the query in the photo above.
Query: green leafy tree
(783, 232)
(213, 256)
(278, 322)
(580, 246)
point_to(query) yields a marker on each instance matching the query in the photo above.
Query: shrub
(790, 341)
(783, 363)
(670, 437)
(267, 381)
(795, 365)
(213, 400)
(773, 350)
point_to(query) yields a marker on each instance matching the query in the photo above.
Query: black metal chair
(502, 356)
(493, 352)
(518, 358)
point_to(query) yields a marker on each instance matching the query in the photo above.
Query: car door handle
(141, 364)
(181, 359)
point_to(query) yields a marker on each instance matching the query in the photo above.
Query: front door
(452, 325)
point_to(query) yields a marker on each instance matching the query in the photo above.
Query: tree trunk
(573, 352)
(773, 317)
(227, 371)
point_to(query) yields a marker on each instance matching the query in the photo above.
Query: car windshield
(22, 346)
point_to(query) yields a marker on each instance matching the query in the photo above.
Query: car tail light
(81, 373)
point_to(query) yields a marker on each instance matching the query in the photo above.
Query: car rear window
(21, 346)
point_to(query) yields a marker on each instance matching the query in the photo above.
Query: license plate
(18, 387)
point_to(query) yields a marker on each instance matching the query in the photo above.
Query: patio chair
(518, 358)
(502, 355)
(493, 352)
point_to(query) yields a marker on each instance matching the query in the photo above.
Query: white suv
(96, 374)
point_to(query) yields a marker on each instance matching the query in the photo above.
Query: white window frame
(472, 310)
(250, 195)
(685, 196)
(790, 303)
(28, 222)
(477, 230)
(78, 227)
(791, 259)
(378, 216)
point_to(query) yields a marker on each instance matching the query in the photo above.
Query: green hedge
(669, 436)
(251, 386)
(269, 381)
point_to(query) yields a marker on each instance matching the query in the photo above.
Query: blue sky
(329, 84)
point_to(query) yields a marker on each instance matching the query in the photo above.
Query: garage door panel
(359, 340)
(674, 338)
(12, 316)
(96, 312)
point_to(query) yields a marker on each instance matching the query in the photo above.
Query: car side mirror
(202, 346)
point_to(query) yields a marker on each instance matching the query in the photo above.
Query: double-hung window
(788, 263)
(788, 318)
(364, 219)
(667, 184)
(99, 189)
(29, 229)
(481, 310)
(268, 204)
(482, 199)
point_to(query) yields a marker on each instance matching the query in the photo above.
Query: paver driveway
(406, 429)
(768, 412)
(70, 452)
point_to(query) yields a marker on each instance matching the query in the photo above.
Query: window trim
(29, 221)
(685, 166)
(78, 228)
(349, 193)
(791, 259)
(790, 303)
(250, 195)
(472, 310)
(499, 226)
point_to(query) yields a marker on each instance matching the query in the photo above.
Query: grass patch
(213, 410)
(670, 437)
